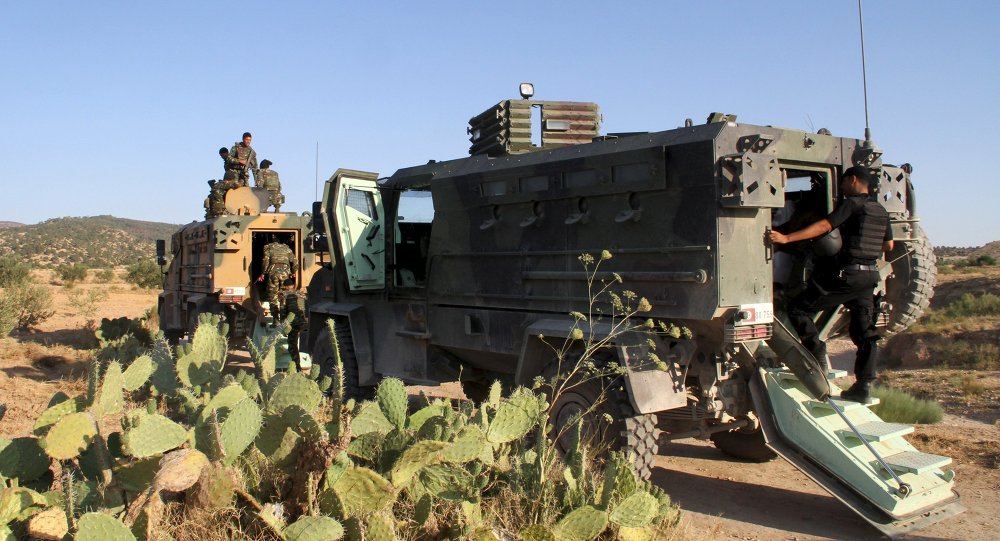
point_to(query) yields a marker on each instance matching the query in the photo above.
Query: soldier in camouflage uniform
(215, 204)
(279, 265)
(244, 159)
(270, 181)
(294, 303)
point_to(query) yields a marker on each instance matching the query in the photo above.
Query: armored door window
(362, 202)
(358, 223)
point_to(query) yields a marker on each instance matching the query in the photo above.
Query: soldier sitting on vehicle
(278, 265)
(270, 181)
(244, 161)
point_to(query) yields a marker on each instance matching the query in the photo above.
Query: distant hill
(991, 249)
(10, 224)
(955, 251)
(95, 241)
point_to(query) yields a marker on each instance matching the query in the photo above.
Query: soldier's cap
(288, 282)
(266, 163)
(860, 173)
(223, 150)
(246, 134)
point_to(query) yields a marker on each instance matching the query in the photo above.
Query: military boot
(861, 391)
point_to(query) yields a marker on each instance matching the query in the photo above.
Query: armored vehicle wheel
(911, 286)
(323, 354)
(745, 445)
(609, 422)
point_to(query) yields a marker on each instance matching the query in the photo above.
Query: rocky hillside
(95, 241)
(10, 224)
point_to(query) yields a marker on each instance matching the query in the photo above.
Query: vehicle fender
(649, 388)
(356, 316)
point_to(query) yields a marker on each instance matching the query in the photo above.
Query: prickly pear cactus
(313, 529)
(362, 491)
(102, 527)
(203, 362)
(147, 435)
(636, 511)
(294, 389)
(180, 470)
(164, 378)
(515, 417)
(370, 419)
(138, 373)
(239, 429)
(379, 528)
(391, 396)
(110, 399)
(70, 436)
(60, 406)
(421, 454)
(583, 524)
(22, 459)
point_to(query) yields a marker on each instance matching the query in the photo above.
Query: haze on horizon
(119, 107)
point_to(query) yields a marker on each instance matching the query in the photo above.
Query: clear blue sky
(119, 107)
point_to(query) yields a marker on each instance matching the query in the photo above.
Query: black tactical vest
(864, 233)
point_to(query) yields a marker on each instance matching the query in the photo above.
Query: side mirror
(161, 252)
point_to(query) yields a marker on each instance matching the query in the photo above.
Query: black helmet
(829, 244)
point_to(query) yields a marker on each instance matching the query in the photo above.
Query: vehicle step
(914, 462)
(844, 405)
(877, 431)
(832, 374)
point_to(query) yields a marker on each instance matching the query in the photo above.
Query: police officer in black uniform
(864, 227)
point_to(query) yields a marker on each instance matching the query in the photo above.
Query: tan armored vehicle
(215, 264)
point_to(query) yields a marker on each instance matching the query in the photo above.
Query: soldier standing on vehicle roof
(865, 229)
(245, 158)
(295, 304)
(271, 181)
(279, 265)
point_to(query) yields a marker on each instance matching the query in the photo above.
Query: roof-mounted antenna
(864, 76)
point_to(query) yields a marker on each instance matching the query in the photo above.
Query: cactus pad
(379, 528)
(303, 423)
(102, 527)
(423, 508)
(22, 458)
(391, 396)
(467, 446)
(636, 511)
(370, 419)
(227, 397)
(138, 373)
(514, 418)
(537, 532)
(422, 415)
(447, 481)
(362, 491)
(583, 524)
(239, 429)
(137, 476)
(179, 470)
(59, 406)
(50, 524)
(70, 436)
(216, 487)
(366, 446)
(422, 453)
(313, 529)
(110, 399)
(277, 440)
(635, 534)
(164, 377)
(149, 435)
(294, 389)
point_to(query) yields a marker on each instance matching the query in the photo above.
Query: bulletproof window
(496, 187)
(363, 202)
(631, 172)
(414, 221)
(538, 183)
(579, 179)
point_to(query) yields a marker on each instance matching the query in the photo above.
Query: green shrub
(962, 353)
(967, 306)
(144, 273)
(105, 276)
(72, 273)
(87, 302)
(896, 406)
(13, 271)
(26, 304)
(8, 314)
(969, 385)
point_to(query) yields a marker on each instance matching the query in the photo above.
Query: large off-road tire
(609, 422)
(323, 354)
(911, 286)
(744, 445)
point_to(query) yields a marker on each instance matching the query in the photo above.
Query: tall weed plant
(13, 271)
(897, 406)
(27, 305)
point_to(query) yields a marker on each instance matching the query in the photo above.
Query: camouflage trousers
(295, 304)
(275, 296)
(217, 200)
(275, 198)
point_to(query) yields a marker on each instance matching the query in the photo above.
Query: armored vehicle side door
(360, 228)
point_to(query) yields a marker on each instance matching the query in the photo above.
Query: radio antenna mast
(316, 183)
(864, 75)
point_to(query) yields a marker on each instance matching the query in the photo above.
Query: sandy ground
(722, 498)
